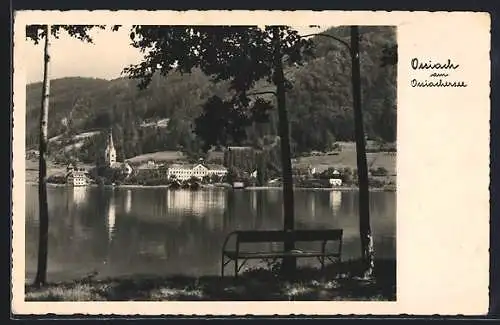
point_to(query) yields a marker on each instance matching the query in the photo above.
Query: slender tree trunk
(367, 252)
(41, 275)
(289, 264)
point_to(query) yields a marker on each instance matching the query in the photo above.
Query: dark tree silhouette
(367, 249)
(389, 55)
(241, 55)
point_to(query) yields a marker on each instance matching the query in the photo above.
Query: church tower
(110, 153)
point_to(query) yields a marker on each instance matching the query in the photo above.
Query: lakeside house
(238, 185)
(186, 171)
(32, 154)
(151, 164)
(335, 181)
(335, 178)
(127, 169)
(77, 177)
(161, 123)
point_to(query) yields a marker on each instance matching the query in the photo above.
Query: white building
(335, 181)
(76, 178)
(127, 169)
(186, 171)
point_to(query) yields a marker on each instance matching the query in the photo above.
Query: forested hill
(160, 117)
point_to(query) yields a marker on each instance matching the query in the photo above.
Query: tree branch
(346, 44)
(261, 93)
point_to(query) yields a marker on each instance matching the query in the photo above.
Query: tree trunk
(367, 252)
(41, 275)
(289, 264)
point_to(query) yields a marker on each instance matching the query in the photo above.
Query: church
(110, 152)
(110, 157)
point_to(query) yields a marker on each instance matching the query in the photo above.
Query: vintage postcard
(251, 162)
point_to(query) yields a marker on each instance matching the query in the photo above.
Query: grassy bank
(338, 282)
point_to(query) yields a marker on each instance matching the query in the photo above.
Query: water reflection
(312, 205)
(196, 202)
(111, 217)
(79, 195)
(253, 199)
(125, 231)
(335, 201)
(128, 201)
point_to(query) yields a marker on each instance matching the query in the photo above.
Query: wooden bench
(279, 236)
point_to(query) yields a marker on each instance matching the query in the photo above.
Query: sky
(105, 58)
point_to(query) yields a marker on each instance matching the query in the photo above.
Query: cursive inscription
(416, 64)
(438, 73)
(440, 83)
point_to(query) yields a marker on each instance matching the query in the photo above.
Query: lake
(157, 231)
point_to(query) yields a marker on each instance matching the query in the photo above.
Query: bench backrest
(256, 236)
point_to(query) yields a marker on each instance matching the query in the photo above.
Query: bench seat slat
(258, 255)
(256, 236)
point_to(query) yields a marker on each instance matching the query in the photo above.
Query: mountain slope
(319, 104)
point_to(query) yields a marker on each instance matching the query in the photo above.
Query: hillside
(160, 118)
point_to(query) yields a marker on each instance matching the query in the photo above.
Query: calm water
(159, 231)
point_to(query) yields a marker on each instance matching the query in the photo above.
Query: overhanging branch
(261, 93)
(346, 44)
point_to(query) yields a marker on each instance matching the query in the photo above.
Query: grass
(31, 174)
(347, 158)
(158, 156)
(338, 282)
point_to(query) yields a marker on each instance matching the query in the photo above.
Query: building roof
(240, 148)
(191, 166)
(78, 173)
(215, 166)
(110, 140)
(183, 166)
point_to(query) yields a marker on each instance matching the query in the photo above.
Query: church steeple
(110, 153)
(110, 139)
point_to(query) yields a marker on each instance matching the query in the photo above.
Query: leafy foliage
(242, 54)
(36, 33)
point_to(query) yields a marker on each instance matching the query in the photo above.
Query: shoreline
(248, 188)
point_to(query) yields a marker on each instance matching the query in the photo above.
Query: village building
(335, 178)
(70, 167)
(127, 169)
(335, 181)
(77, 177)
(151, 164)
(32, 154)
(186, 171)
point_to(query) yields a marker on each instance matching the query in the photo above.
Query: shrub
(56, 179)
(375, 183)
(380, 171)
